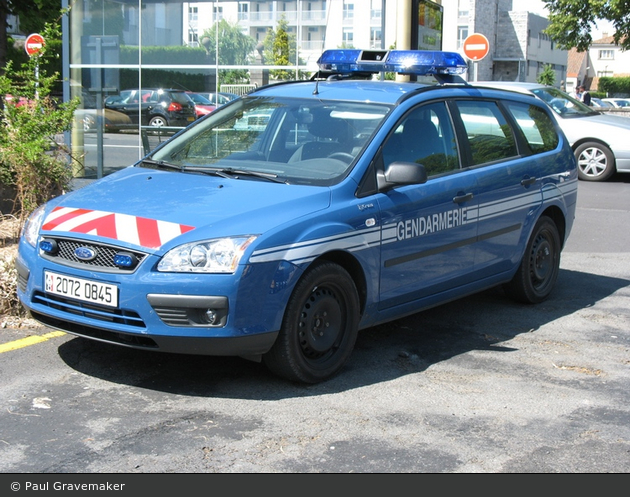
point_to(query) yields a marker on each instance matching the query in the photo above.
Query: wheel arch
(354, 268)
(590, 139)
(557, 216)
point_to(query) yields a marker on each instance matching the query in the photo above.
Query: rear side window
(536, 126)
(489, 135)
(180, 97)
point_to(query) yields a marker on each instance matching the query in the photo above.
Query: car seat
(332, 135)
(419, 139)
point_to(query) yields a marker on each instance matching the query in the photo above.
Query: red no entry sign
(476, 46)
(34, 44)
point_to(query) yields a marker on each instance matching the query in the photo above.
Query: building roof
(607, 40)
(575, 61)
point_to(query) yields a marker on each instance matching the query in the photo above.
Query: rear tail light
(174, 107)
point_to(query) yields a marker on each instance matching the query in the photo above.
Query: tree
(547, 76)
(279, 49)
(234, 47)
(571, 22)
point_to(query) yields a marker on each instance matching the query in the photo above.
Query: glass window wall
(119, 53)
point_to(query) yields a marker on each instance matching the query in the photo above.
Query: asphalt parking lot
(481, 385)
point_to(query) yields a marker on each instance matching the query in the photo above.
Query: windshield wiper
(225, 172)
(161, 164)
(228, 172)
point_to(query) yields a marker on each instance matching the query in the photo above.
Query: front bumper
(165, 312)
(243, 346)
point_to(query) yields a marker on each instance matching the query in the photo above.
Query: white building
(316, 25)
(519, 50)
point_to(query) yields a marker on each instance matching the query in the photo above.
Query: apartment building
(519, 48)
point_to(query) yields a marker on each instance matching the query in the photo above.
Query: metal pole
(98, 84)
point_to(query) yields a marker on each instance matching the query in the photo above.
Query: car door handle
(464, 197)
(528, 181)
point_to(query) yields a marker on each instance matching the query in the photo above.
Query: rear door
(500, 138)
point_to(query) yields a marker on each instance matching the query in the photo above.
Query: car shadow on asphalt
(410, 345)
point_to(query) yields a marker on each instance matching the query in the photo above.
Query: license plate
(81, 289)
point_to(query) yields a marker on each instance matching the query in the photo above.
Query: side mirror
(402, 173)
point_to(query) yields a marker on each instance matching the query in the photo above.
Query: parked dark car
(157, 107)
(203, 106)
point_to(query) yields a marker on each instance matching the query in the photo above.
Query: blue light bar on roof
(418, 62)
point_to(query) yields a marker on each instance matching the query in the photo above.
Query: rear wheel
(537, 274)
(595, 161)
(319, 328)
(158, 121)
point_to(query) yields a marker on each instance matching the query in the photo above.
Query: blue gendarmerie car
(286, 221)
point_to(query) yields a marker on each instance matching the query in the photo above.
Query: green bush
(614, 86)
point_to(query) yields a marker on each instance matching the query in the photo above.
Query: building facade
(604, 58)
(519, 48)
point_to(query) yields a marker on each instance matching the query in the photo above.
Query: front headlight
(30, 231)
(221, 255)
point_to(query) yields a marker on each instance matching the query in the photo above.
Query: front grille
(87, 310)
(104, 259)
(173, 316)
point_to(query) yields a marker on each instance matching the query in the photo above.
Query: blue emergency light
(418, 62)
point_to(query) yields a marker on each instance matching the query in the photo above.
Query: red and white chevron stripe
(150, 233)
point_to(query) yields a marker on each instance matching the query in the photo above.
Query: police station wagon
(350, 201)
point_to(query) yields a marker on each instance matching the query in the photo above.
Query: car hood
(158, 209)
(603, 126)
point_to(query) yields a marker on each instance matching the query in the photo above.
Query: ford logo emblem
(85, 253)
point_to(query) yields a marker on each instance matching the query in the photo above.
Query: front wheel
(595, 162)
(319, 328)
(537, 274)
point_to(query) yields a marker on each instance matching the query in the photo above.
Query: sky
(539, 7)
(602, 27)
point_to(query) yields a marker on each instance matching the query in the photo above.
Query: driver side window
(425, 136)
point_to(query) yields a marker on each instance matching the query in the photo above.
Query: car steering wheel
(342, 156)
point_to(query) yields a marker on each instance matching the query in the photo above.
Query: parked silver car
(601, 142)
(598, 102)
(619, 103)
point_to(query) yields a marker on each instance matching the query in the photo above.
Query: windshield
(564, 105)
(302, 141)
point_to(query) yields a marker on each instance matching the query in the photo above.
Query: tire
(158, 121)
(319, 328)
(595, 162)
(537, 274)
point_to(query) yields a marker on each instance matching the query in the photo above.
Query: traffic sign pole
(33, 45)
